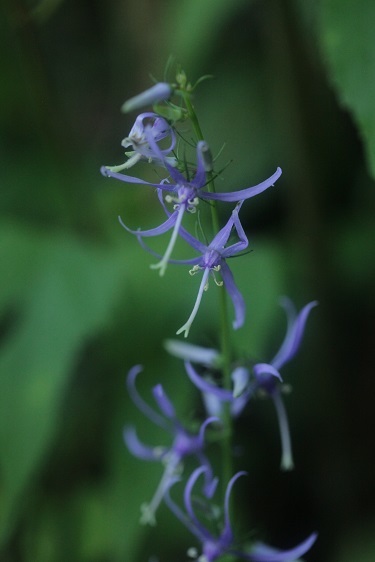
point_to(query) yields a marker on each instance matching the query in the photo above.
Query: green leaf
(347, 39)
(57, 291)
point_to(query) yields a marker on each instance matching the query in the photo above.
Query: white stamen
(194, 270)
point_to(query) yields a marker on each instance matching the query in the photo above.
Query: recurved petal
(264, 553)
(243, 193)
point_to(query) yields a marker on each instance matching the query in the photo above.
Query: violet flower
(160, 92)
(212, 260)
(184, 193)
(266, 379)
(158, 129)
(184, 444)
(213, 545)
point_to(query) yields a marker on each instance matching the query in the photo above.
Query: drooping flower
(159, 92)
(184, 444)
(158, 129)
(215, 545)
(263, 377)
(184, 193)
(211, 261)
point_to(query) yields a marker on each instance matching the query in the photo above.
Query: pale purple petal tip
(159, 92)
(263, 553)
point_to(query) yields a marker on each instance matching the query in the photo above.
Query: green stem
(226, 444)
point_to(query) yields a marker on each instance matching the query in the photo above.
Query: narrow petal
(177, 511)
(235, 295)
(240, 378)
(138, 449)
(203, 427)
(264, 370)
(264, 553)
(161, 229)
(138, 400)
(163, 402)
(296, 327)
(189, 352)
(188, 502)
(227, 531)
(204, 386)
(105, 171)
(162, 264)
(286, 445)
(243, 193)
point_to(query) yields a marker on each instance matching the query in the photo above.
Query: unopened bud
(205, 151)
(161, 91)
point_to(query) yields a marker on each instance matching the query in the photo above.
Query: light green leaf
(58, 291)
(347, 39)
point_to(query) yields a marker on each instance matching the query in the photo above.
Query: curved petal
(235, 295)
(295, 330)
(203, 427)
(227, 531)
(243, 193)
(188, 503)
(161, 229)
(204, 386)
(263, 370)
(138, 449)
(130, 179)
(196, 531)
(162, 400)
(264, 553)
(240, 378)
(286, 445)
(138, 400)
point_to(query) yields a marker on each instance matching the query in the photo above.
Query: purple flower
(214, 546)
(158, 129)
(212, 260)
(266, 379)
(184, 444)
(160, 92)
(184, 193)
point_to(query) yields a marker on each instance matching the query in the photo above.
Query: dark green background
(294, 86)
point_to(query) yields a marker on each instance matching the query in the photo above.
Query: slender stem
(226, 444)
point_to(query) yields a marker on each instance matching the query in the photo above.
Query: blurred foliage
(294, 84)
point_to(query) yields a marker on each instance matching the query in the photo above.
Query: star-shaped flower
(184, 443)
(184, 193)
(262, 377)
(215, 545)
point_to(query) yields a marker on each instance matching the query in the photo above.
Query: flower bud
(161, 91)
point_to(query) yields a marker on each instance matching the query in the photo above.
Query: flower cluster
(227, 386)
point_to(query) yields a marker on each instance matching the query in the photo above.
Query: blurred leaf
(60, 292)
(192, 26)
(347, 38)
